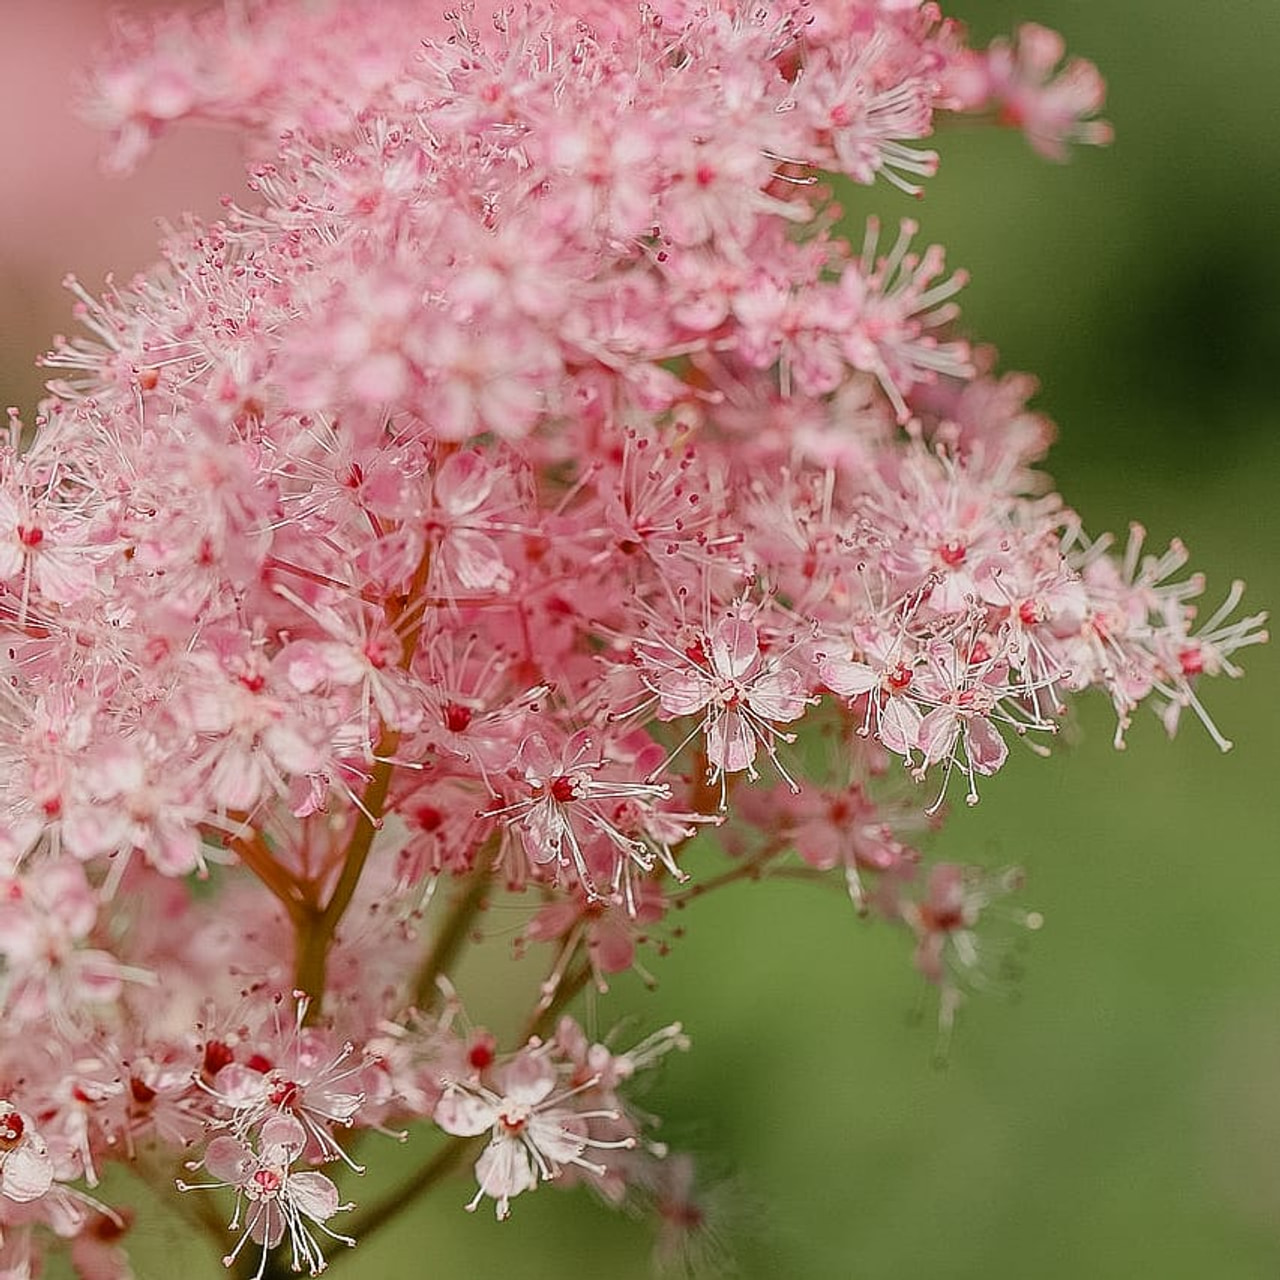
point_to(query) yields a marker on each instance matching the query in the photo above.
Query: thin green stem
(315, 928)
(254, 853)
(316, 931)
(540, 1022)
(452, 937)
(440, 1165)
(752, 869)
(543, 1017)
(199, 1210)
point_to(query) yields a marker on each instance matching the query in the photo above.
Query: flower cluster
(525, 481)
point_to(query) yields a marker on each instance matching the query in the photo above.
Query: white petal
(733, 648)
(848, 679)
(504, 1169)
(900, 726)
(314, 1194)
(681, 695)
(731, 745)
(28, 1174)
(464, 1115)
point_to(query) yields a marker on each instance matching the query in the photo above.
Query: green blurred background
(1122, 1115)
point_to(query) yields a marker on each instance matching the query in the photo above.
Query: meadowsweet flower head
(523, 490)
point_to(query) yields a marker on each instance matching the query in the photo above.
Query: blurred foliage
(1122, 1115)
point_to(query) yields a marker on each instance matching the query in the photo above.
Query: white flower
(532, 1134)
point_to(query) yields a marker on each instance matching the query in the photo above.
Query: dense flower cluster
(528, 478)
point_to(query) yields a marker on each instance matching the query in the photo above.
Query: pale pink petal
(553, 1133)
(314, 1194)
(476, 562)
(240, 1086)
(612, 946)
(543, 831)
(734, 648)
(848, 679)
(266, 1223)
(528, 1080)
(818, 843)
(64, 578)
(174, 850)
(229, 1160)
(291, 749)
(236, 782)
(938, 733)
(71, 900)
(553, 921)
(11, 558)
(681, 694)
(463, 483)
(535, 758)
(304, 665)
(984, 746)
(88, 832)
(463, 1115)
(779, 696)
(731, 745)
(285, 1132)
(900, 726)
(503, 1170)
(382, 377)
(28, 1173)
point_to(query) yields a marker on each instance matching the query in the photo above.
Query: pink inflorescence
(525, 478)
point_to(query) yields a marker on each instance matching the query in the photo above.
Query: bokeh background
(1121, 1114)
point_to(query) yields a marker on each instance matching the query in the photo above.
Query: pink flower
(741, 693)
(532, 1133)
(26, 1168)
(274, 1200)
(524, 421)
(569, 802)
(1051, 106)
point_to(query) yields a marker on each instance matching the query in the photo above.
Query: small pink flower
(532, 1133)
(1052, 105)
(740, 693)
(26, 1168)
(569, 800)
(274, 1200)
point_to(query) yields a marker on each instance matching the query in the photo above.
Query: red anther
(941, 919)
(513, 1124)
(216, 1056)
(283, 1093)
(11, 1130)
(481, 1054)
(143, 1094)
(457, 717)
(428, 817)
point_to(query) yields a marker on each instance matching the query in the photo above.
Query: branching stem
(455, 930)
(316, 927)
